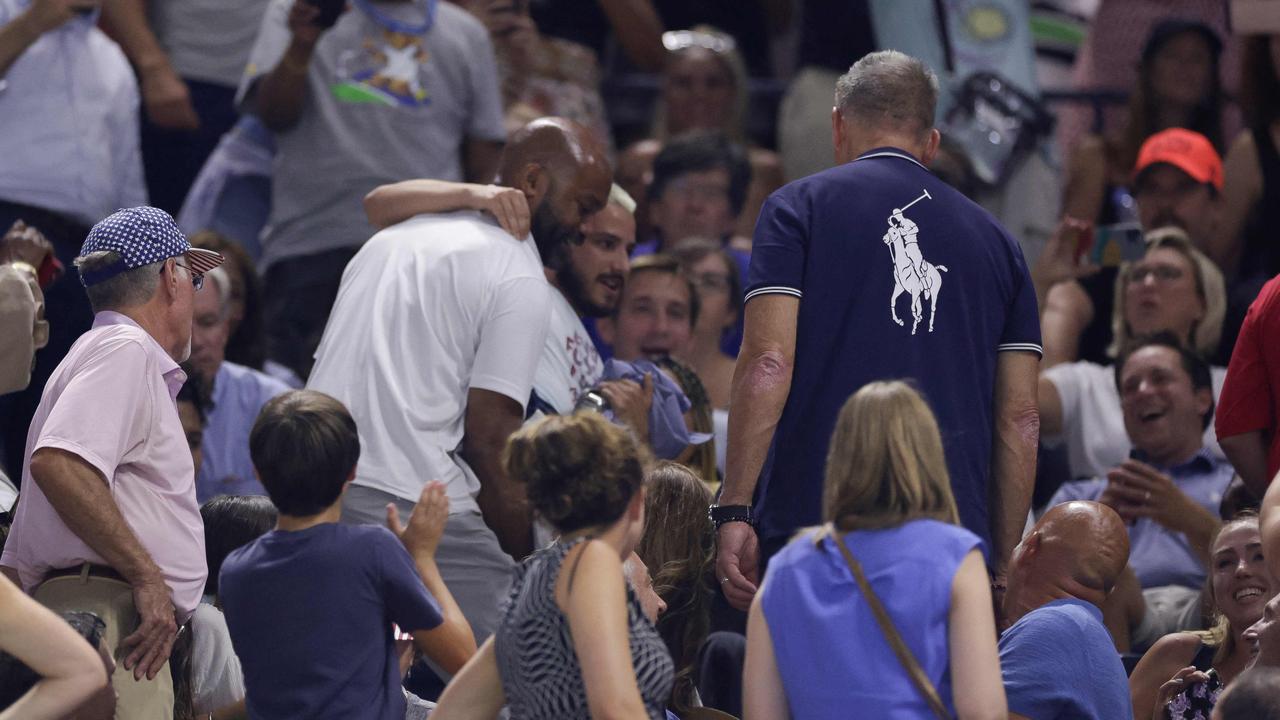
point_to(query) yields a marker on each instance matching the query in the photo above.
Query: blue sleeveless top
(831, 652)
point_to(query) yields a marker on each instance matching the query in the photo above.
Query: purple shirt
(111, 402)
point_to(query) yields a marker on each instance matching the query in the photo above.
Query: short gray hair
(128, 289)
(889, 89)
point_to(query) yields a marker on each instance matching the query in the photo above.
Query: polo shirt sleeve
(511, 338)
(1037, 676)
(105, 409)
(273, 39)
(1245, 403)
(1022, 320)
(408, 603)
(778, 250)
(486, 120)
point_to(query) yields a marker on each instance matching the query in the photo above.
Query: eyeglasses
(710, 281)
(1162, 273)
(197, 279)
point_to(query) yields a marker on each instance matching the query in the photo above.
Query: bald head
(563, 171)
(1078, 549)
(889, 90)
(553, 143)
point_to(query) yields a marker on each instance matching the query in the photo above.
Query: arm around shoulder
(977, 688)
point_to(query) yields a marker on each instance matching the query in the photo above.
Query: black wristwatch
(721, 514)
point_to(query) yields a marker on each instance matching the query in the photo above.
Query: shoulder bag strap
(900, 648)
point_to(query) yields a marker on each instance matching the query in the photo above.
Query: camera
(593, 400)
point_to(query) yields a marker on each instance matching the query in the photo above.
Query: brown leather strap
(900, 648)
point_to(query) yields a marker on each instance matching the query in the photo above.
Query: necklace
(428, 7)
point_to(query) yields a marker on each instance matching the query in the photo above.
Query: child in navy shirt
(311, 604)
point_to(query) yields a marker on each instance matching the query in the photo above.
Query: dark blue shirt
(826, 240)
(310, 615)
(1058, 663)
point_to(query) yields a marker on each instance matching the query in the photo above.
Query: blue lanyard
(390, 23)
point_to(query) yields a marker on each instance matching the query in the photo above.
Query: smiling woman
(1239, 588)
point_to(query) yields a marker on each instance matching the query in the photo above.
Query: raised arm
(40, 17)
(451, 643)
(761, 385)
(70, 670)
(387, 205)
(83, 501)
(1016, 437)
(1241, 190)
(639, 31)
(280, 94)
(596, 608)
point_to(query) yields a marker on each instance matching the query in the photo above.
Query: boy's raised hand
(426, 522)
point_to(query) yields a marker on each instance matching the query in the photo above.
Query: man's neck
(1176, 456)
(554, 281)
(151, 318)
(294, 523)
(1034, 599)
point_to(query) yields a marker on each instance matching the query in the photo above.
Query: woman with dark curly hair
(573, 641)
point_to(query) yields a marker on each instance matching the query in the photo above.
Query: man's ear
(931, 147)
(837, 133)
(1204, 401)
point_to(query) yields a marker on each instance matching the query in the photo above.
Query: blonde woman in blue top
(814, 647)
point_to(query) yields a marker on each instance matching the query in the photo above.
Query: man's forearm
(1248, 455)
(126, 22)
(83, 501)
(638, 28)
(761, 385)
(503, 503)
(1013, 473)
(280, 95)
(15, 37)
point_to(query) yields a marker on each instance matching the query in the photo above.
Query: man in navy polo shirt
(872, 270)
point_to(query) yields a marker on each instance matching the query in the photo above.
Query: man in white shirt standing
(433, 343)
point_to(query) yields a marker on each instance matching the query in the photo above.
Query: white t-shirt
(1092, 421)
(427, 310)
(570, 364)
(217, 680)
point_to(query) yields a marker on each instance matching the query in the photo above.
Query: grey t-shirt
(208, 40)
(381, 107)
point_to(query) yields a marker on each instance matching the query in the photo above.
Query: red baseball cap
(1189, 151)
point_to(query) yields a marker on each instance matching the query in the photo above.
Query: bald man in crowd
(1057, 658)
(433, 344)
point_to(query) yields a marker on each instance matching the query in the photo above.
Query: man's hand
(152, 642)
(631, 403)
(1059, 261)
(738, 563)
(507, 205)
(45, 15)
(426, 522)
(1135, 489)
(302, 23)
(167, 98)
(23, 243)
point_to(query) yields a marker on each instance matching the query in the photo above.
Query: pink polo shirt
(111, 402)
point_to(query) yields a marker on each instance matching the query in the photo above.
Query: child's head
(232, 521)
(305, 447)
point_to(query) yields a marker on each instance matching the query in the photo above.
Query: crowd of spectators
(529, 358)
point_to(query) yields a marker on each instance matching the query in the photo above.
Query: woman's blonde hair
(1207, 331)
(886, 465)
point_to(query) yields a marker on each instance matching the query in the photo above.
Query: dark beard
(574, 287)
(550, 233)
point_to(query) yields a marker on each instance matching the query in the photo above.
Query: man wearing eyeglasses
(108, 521)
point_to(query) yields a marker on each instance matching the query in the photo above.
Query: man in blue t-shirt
(310, 605)
(1057, 659)
(873, 270)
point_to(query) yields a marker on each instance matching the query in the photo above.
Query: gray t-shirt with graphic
(384, 103)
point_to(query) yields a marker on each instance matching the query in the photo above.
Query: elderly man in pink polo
(108, 521)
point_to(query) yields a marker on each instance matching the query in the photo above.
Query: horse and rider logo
(911, 272)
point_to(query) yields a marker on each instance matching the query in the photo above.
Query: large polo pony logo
(912, 273)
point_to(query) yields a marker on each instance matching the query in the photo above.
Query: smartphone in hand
(1117, 244)
(330, 10)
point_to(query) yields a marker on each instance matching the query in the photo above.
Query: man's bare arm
(761, 385)
(79, 493)
(1015, 438)
(23, 30)
(1269, 524)
(279, 96)
(1248, 455)
(490, 419)
(165, 95)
